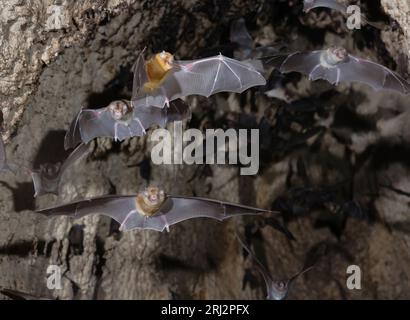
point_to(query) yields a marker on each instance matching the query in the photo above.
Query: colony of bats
(160, 84)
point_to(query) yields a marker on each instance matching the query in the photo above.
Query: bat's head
(278, 290)
(158, 66)
(49, 170)
(335, 55)
(119, 109)
(150, 200)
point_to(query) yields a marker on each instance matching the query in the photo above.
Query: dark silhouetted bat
(161, 79)
(151, 209)
(120, 120)
(47, 178)
(276, 290)
(335, 65)
(18, 295)
(333, 4)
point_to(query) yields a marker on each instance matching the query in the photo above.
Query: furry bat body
(335, 65)
(151, 209)
(333, 4)
(276, 290)
(47, 178)
(161, 79)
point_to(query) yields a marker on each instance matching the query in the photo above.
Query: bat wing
(177, 209)
(116, 207)
(202, 77)
(261, 268)
(239, 34)
(47, 178)
(140, 76)
(332, 4)
(351, 70)
(90, 124)
(178, 110)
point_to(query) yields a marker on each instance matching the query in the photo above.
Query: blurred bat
(162, 79)
(47, 178)
(151, 209)
(335, 65)
(4, 164)
(333, 4)
(246, 48)
(18, 295)
(276, 290)
(120, 120)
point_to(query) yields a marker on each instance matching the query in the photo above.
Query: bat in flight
(162, 79)
(151, 209)
(336, 65)
(276, 290)
(246, 48)
(335, 5)
(120, 120)
(47, 178)
(4, 164)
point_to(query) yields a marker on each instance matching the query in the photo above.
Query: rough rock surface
(60, 55)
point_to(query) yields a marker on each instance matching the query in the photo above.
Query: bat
(162, 79)
(333, 4)
(47, 178)
(18, 295)
(246, 48)
(276, 290)
(120, 120)
(151, 209)
(4, 164)
(336, 65)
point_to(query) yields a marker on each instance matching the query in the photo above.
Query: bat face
(150, 201)
(119, 110)
(278, 290)
(333, 56)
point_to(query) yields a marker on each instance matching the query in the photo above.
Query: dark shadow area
(23, 195)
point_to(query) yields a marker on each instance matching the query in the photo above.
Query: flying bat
(4, 164)
(335, 5)
(246, 48)
(151, 209)
(276, 290)
(47, 178)
(162, 79)
(120, 120)
(336, 65)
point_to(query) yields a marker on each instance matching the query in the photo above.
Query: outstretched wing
(47, 178)
(239, 34)
(201, 77)
(332, 4)
(259, 265)
(351, 70)
(116, 207)
(178, 110)
(177, 209)
(90, 124)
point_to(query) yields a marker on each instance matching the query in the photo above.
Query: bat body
(4, 165)
(161, 79)
(120, 120)
(151, 209)
(276, 290)
(335, 65)
(47, 178)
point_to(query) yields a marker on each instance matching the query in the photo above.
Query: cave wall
(59, 56)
